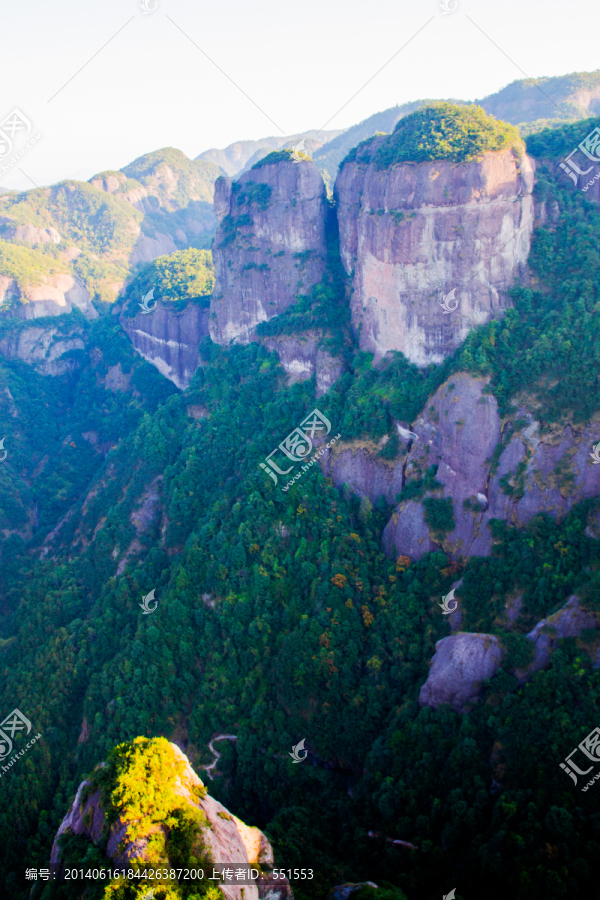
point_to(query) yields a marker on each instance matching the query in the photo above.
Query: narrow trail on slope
(215, 753)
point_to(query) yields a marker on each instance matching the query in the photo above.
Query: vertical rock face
(51, 295)
(169, 340)
(43, 348)
(269, 247)
(301, 357)
(460, 432)
(413, 233)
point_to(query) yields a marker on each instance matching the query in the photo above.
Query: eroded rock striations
(169, 339)
(270, 245)
(413, 233)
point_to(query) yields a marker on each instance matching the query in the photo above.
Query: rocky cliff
(42, 347)
(140, 836)
(413, 233)
(490, 468)
(269, 247)
(51, 295)
(461, 451)
(169, 339)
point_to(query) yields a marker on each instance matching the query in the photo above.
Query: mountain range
(299, 458)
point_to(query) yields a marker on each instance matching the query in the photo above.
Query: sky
(105, 82)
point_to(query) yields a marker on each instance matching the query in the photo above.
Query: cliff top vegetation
(445, 131)
(277, 156)
(177, 277)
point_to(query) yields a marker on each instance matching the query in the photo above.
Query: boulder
(460, 663)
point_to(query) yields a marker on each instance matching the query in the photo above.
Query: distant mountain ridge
(531, 106)
(241, 155)
(92, 236)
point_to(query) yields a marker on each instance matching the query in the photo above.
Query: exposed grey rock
(25, 233)
(261, 268)
(169, 340)
(148, 248)
(83, 818)
(53, 295)
(558, 470)
(569, 621)
(367, 474)
(459, 431)
(43, 348)
(301, 357)
(460, 663)
(407, 532)
(412, 233)
(227, 838)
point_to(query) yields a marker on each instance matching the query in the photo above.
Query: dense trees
(279, 619)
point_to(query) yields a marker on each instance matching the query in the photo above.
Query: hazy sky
(299, 61)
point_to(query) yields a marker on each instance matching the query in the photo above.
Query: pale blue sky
(299, 61)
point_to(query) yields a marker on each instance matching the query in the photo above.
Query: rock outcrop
(54, 295)
(463, 661)
(414, 233)
(228, 840)
(43, 348)
(460, 663)
(26, 233)
(569, 621)
(169, 339)
(269, 247)
(460, 432)
(358, 465)
(301, 357)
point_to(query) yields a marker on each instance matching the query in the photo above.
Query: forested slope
(279, 618)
